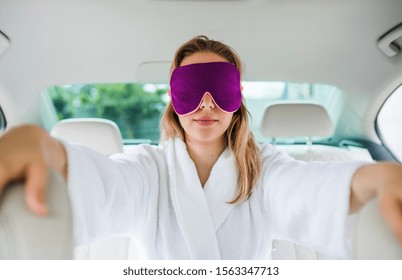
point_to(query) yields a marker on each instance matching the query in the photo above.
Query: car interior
(322, 82)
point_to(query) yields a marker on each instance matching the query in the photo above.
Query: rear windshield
(137, 108)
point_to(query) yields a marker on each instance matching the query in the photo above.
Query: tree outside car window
(135, 108)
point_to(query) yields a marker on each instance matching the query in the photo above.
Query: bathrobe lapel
(221, 188)
(199, 214)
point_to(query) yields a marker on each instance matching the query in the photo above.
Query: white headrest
(296, 120)
(99, 134)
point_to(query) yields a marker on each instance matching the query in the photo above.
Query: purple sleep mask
(190, 83)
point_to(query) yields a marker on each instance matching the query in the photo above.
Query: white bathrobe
(154, 195)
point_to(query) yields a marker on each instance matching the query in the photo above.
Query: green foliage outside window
(135, 108)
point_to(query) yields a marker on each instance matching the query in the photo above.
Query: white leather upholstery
(99, 134)
(24, 235)
(296, 119)
(325, 153)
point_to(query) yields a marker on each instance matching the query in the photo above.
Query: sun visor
(4, 43)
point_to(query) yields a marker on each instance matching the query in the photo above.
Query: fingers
(36, 177)
(391, 208)
(3, 177)
(35, 186)
(6, 175)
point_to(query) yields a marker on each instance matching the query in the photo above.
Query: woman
(209, 191)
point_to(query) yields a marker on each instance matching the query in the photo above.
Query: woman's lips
(205, 121)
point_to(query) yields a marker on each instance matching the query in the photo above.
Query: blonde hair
(238, 135)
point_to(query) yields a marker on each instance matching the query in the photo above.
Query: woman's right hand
(26, 153)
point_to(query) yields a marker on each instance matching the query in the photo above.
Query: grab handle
(4, 42)
(387, 42)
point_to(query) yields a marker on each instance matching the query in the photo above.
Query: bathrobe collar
(200, 212)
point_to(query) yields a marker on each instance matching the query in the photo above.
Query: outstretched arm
(383, 180)
(26, 152)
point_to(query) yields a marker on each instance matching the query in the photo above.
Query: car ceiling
(80, 41)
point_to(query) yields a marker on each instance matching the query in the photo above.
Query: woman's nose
(207, 102)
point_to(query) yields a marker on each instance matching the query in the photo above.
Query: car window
(389, 123)
(137, 108)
